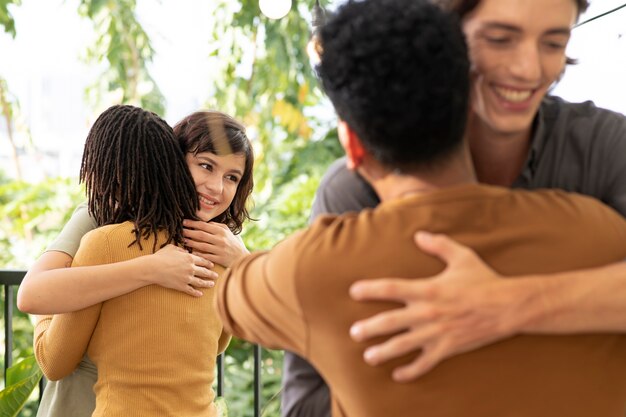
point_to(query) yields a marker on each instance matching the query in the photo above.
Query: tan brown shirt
(296, 297)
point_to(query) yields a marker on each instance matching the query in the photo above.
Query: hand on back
(465, 307)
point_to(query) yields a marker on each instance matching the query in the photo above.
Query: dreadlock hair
(134, 170)
(218, 133)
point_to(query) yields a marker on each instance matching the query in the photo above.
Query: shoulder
(583, 119)
(327, 233)
(580, 213)
(342, 190)
(107, 233)
(98, 245)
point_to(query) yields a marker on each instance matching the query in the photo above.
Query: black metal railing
(9, 279)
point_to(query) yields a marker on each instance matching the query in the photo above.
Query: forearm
(592, 300)
(61, 341)
(63, 290)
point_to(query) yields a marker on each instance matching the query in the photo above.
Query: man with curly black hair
(396, 72)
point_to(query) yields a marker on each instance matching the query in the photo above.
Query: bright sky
(43, 69)
(600, 47)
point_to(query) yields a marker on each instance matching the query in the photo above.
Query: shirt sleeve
(257, 299)
(62, 340)
(611, 171)
(78, 225)
(305, 394)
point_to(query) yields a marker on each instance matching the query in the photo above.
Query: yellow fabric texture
(155, 348)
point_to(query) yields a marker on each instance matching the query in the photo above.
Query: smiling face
(517, 49)
(216, 179)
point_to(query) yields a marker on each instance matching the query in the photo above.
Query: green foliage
(238, 381)
(31, 215)
(265, 80)
(278, 98)
(120, 38)
(6, 20)
(22, 378)
(222, 409)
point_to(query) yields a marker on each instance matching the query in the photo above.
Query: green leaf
(22, 370)
(222, 409)
(22, 378)
(6, 19)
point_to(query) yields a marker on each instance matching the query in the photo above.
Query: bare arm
(468, 306)
(49, 287)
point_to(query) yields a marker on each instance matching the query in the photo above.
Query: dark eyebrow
(512, 28)
(214, 162)
(501, 26)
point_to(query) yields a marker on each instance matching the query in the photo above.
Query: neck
(498, 158)
(391, 185)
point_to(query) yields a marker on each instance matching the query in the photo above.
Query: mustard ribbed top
(155, 348)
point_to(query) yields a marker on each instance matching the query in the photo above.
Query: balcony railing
(10, 279)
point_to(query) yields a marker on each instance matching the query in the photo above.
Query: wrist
(147, 267)
(538, 304)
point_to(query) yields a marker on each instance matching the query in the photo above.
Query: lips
(207, 201)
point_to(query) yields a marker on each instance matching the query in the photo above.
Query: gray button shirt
(576, 147)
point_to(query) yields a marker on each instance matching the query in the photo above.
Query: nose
(526, 62)
(214, 185)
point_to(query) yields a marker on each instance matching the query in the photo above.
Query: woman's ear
(351, 145)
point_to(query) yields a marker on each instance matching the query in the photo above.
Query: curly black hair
(397, 72)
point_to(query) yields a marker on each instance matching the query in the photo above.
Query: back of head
(397, 72)
(134, 170)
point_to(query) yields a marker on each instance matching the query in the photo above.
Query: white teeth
(207, 202)
(515, 96)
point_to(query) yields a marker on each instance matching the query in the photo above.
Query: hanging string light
(600, 15)
(275, 9)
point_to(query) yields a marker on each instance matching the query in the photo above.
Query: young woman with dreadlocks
(135, 183)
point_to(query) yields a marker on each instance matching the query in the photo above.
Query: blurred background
(62, 62)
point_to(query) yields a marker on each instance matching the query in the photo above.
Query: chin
(205, 217)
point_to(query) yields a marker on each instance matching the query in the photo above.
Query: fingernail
(370, 356)
(424, 236)
(355, 289)
(355, 331)
(211, 284)
(397, 376)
